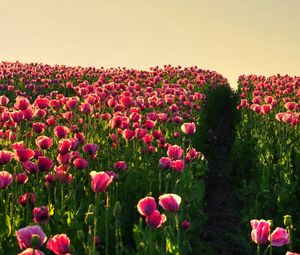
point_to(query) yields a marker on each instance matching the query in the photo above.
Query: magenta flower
(21, 178)
(178, 165)
(30, 251)
(100, 181)
(28, 198)
(5, 157)
(41, 214)
(185, 224)
(59, 244)
(25, 235)
(23, 155)
(91, 149)
(5, 179)
(146, 206)
(170, 202)
(44, 142)
(22, 103)
(165, 163)
(188, 128)
(174, 152)
(260, 231)
(156, 219)
(61, 131)
(279, 237)
(120, 165)
(45, 164)
(80, 163)
(30, 167)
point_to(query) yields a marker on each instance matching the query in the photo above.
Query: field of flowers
(107, 161)
(267, 160)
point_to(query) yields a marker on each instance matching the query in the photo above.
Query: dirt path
(221, 205)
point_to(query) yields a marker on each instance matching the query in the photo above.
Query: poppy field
(101, 161)
(114, 161)
(267, 160)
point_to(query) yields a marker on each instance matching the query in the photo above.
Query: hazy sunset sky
(232, 37)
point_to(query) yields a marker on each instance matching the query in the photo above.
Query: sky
(232, 37)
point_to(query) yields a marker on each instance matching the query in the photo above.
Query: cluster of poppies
(68, 133)
(276, 95)
(32, 238)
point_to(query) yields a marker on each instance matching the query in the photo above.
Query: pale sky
(231, 37)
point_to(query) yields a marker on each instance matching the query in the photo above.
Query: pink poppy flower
(59, 244)
(22, 103)
(120, 165)
(42, 102)
(45, 164)
(30, 251)
(5, 179)
(156, 219)
(170, 202)
(185, 224)
(91, 149)
(146, 206)
(177, 165)
(291, 253)
(28, 198)
(165, 163)
(21, 178)
(260, 231)
(80, 163)
(188, 128)
(64, 159)
(38, 127)
(61, 131)
(41, 214)
(174, 152)
(30, 167)
(44, 142)
(25, 235)
(64, 146)
(128, 134)
(23, 155)
(100, 181)
(5, 157)
(279, 237)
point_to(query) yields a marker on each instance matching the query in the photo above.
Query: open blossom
(80, 163)
(61, 131)
(291, 253)
(165, 162)
(146, 206)
(28, 198)
(170, 202)
(41, 214)
(5, 157)
(279, 237)
(59, 244)
(100, 181)
(120, 165)
(188, 128)
(44, 142)
(44, 164)
(5, 179)
(25, 235)
(260, 231)
(156, 219)
(174, 152)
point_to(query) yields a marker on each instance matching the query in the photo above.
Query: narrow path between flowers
(221, 205)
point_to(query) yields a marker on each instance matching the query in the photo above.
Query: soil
(221, 205)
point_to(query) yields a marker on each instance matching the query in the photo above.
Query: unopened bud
(287, 220)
